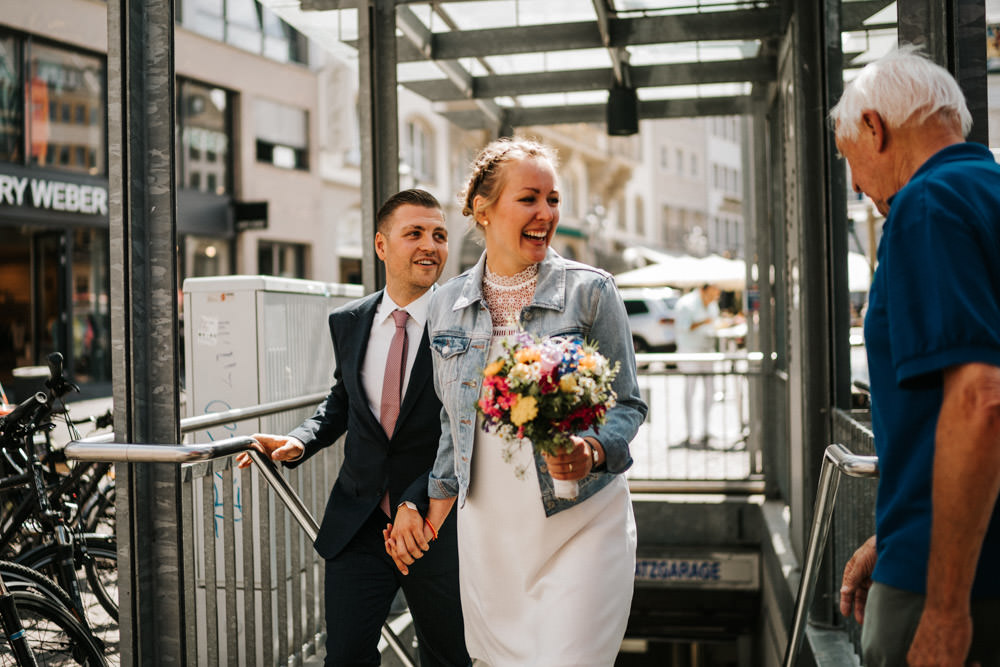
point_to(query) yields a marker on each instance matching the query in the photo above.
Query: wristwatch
(409, 504)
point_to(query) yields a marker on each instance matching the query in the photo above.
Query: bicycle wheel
(22, 578)
(97, 577)
(54, 636)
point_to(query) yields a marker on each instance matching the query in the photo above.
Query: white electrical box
(256, 339)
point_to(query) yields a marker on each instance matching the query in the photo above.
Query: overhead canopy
(513, 63)
(686, 271)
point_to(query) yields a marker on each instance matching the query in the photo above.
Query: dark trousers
(361, 583)
(891, 619)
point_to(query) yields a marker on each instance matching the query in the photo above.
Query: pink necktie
(392, 384)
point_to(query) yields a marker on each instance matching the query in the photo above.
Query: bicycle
(44, 524)
(36, 624)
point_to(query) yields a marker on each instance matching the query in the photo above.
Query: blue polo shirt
(934, 303)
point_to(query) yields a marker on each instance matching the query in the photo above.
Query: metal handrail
(837, 460)
(83, 450)
(199, 422)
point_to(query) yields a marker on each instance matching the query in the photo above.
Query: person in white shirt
(695, 319)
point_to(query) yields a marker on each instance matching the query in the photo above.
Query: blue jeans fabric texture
(571, 299)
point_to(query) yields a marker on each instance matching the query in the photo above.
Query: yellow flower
(567, 384)
(493, 368)
(524, 410)
(588, 362)
(527, 354)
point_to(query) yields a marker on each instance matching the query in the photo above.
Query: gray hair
(900, 86)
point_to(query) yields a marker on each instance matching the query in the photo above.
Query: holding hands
(409, 537)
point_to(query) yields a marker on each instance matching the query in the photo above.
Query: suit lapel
(357, 347)
(420, 377)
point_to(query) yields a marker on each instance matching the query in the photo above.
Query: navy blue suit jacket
(373, 462)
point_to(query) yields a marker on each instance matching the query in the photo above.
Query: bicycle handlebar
(23, 409)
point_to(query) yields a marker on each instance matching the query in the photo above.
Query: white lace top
(506, 296)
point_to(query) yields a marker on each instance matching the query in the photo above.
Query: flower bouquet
(543, 391)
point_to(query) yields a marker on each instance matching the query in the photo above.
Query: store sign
(711, 569)
(50, 194)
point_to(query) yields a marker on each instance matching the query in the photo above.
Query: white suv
(651, 317)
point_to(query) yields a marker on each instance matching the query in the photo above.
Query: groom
(383, 398)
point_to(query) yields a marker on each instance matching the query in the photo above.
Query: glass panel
(91, 323)
(61, 81)
(243, 25)
(207, 256)
(204, 136)
(15, 306)
(11, 102)
(49, 327)
(204, 17)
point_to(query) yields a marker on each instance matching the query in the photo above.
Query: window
(282, 135)
(287, 260)
(680, 160)
(62, 85)
(11, 101)
(418, 152)
(245, 24)
(204, 157)
(694, 165)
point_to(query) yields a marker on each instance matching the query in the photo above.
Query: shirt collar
(417, 309)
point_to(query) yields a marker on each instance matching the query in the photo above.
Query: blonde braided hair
(486, 179)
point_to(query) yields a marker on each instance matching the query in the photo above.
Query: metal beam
(746, 24)
(379, 122)
(951, 33)
(854, 14)
(754, 70)
(618, 54)
(143, 264)
(596, 113)
(420, 36)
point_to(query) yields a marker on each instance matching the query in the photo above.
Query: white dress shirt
(383, 329)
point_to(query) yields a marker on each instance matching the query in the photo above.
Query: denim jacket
(570, 299)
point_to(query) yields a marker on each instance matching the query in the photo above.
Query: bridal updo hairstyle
(487, 177)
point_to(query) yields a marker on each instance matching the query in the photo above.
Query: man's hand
(857, 580)
(278, 447)
(409, 538)
(406, 544)
(942, 640)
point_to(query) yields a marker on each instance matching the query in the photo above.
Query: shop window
(11, 101)
(206, 257)
(287, 260)
(62, 86)
(205, 131)
(282, 135)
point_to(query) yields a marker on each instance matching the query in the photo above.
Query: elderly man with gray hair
(927, 585)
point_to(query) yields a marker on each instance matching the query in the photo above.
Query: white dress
(536, 590)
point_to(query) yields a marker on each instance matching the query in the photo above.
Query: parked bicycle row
(58, 567)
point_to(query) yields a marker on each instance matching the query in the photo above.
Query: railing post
(837, 460)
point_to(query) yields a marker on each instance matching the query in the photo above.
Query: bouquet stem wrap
(565, 488)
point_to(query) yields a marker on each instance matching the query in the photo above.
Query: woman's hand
(576, 463)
